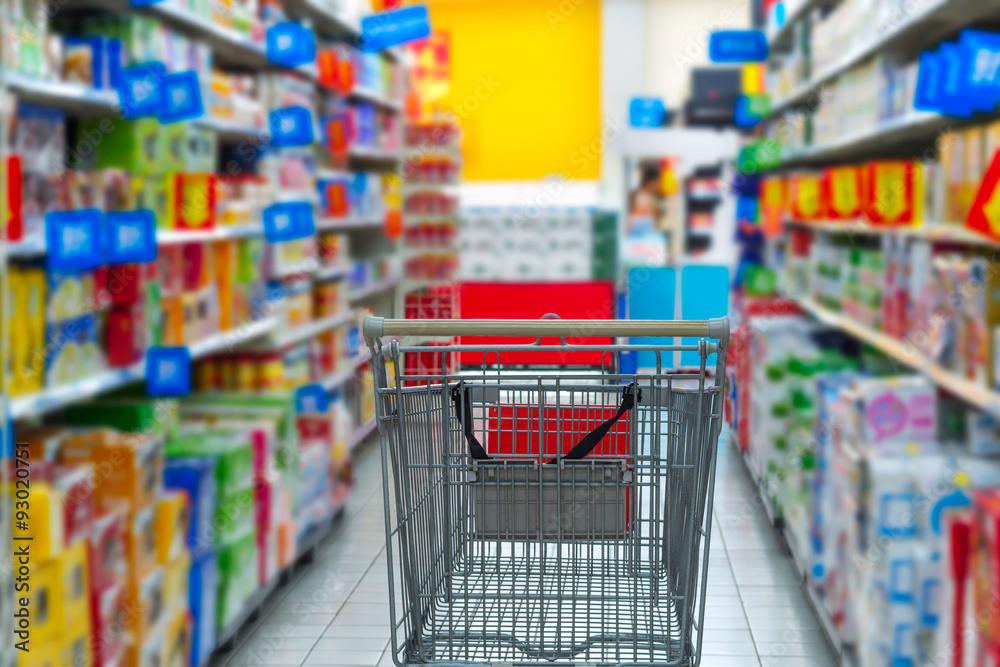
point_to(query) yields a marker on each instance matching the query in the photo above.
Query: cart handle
(378, 327)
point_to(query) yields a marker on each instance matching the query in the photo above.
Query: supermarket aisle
(336, 611)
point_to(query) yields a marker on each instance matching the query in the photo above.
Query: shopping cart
(537, 516)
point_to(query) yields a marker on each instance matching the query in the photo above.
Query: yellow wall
(525, 82)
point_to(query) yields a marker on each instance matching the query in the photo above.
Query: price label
(140, 88)
(290, 44)
(180, 98)
(74, 240)
(291, 126)
(737, 46)
(131, 236)
(312, 399)
(168, 371)
(380, 31)
(288, 221)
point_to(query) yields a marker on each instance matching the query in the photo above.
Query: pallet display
(260, 318)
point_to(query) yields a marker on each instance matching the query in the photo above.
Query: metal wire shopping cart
(548, 516)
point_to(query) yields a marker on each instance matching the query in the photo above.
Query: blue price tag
(646, 112)
(312, 399)
(292, 126)
(290, 44)
(131, 236)
(74, 240)
(955, 98)
(737, 46)
(928, 93)
(139, 89)
(380, 31)
(980, 54)
(168, 371)
(288, 221)
(747, 209)
(180, 98)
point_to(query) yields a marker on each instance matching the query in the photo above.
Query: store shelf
(325, 19)
(362, 94)
(331, 272)
(310, 330)
(430, 187)
(914, 127)
(339, 378)
(359, 435)
(54, 398)
(36, 244)
(307, 266)
(230, 131)
(73, 98)
(966, 390)
(780, 38)
(438, 251)
(940, 232)
(372, 154)
(430, 219)
(923, 27)
(333, 224)
(368, 291)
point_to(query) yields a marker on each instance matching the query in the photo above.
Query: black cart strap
(463, 411)
(589, 441)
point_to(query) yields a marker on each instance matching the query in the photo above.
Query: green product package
(238, 574)
(158, 416)
(231, 449)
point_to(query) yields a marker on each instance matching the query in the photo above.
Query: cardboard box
(79, 508)
(844, 192)
(173, 517)
(74, 570)
(177, 648)
(176, 584)
(112, 617)
(146, 596)
(191, 201)
(141, 542)
(196, 476)
(47, 528)
(108, 553)
(894, 193)
(135, 462)
(73, 350)
(806, 197)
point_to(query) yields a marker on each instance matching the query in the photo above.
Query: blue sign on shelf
(744, 114)
(131, 236)
(288, 221)
(291, 126)
(168, 371)
(647, 112)
(955, 98)
(380, 31)
(980, 54)
(180, 98)
(139, 89)
(927, 96)
(737, 46)
(74, 240)
(747, 209)
(312, 399)
(290, 44)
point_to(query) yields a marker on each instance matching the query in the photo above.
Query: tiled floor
(335, 612)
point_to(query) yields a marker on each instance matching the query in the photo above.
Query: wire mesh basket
(539, 516)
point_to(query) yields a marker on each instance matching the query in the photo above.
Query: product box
(75, 573)
(125, 336)
(150, 192)
(230, 449)
(986, 560)
(28, 287)
(176, 580)
(47, 528)
(173, 518)
(74, 350)
(806, 197)
(107, 549)
(894, 193)
(136, 462)
(69, 296)
(177, 648)
(146, 595)
(844, 192)
(191, 201)
(46, 602)
(203, 587)
(76, 647)
(196, 476)
(112, 617)
(133, 145)
(141, 542)
(892, 414)
(74, 483)
(148, 653)
(238, 576)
